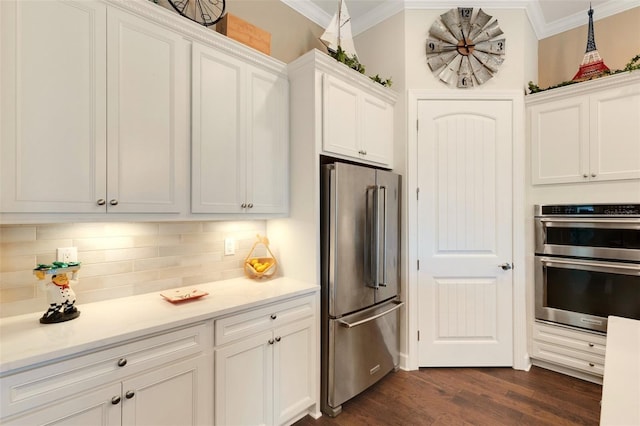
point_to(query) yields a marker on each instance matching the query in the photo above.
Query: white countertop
(621, 385)
(24, 341)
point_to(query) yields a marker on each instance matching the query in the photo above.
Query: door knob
(506, 266)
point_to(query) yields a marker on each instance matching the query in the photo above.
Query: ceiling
(548, 17)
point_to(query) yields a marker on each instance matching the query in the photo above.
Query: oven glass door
(602, 238)
(583, 293)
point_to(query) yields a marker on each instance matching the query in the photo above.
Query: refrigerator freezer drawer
(363, 348)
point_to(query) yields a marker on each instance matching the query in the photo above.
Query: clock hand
(464, 40)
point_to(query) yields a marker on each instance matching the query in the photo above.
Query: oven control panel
(589, 210)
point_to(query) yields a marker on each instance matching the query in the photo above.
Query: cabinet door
(100, 407)
(377, 131)
(218, 132)
(53, 106)
(179, 394)
(244, 382)
(294, 375)
(147, 116)
(615, 134)
(560, 141)
(340, 115)
(267, 142)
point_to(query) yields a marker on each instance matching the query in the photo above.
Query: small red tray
(181, 295)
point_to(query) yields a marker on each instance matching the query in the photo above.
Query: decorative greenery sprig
(633, 65)
(352, 62)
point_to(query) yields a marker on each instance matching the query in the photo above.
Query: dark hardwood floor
(471, 396)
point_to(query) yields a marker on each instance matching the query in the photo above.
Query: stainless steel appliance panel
(363, 348)
(602, 238)
(584, 292)
(350, 203)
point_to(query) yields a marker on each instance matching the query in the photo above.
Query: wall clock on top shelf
(463, 49)
(205, 12)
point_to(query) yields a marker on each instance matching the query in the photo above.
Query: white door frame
(521, 359)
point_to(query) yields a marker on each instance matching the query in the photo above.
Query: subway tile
(180, 228)
(13, 234)
(17, 263)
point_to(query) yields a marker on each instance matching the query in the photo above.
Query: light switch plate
(67, 254)
(229, 246)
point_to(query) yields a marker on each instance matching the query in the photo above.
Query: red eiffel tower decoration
(592, 64)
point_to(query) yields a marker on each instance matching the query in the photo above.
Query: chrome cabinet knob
(101, 202)
(130, 394)
(506, 266)
(122, 362)
(115, 400)
(113, 202)
(585, 175)
(243, 205)
(593, 175)
(273, 316)
(250, 205)
(271, 341)
(278, 338)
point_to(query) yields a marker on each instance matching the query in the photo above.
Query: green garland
(633, 65)
(353, 63)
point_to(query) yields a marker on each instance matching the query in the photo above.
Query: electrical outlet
(67, 254)
(229, 246)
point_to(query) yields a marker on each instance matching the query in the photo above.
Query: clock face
(462, 48)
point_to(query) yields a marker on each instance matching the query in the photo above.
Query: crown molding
(545, 29)
(541, 28)
(309, 10)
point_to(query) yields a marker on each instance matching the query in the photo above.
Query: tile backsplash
(120, 259)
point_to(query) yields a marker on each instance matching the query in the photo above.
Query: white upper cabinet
(587, 132)
(147, 116)
(239, 136)
(341, 113)
(94, 117)
(356, 123)
(53, 106)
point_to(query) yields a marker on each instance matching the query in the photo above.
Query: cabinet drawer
(247, 323)
(37, 386)
(591, 363)
(582, 341)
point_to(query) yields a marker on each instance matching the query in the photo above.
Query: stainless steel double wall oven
(587, 264)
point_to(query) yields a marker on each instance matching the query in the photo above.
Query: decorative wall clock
(205, 12)
(462, 48)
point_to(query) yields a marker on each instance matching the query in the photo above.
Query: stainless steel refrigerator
(360, 280)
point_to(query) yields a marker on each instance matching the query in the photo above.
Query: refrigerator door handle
(372, 238)
(383, 283)
(346, 324)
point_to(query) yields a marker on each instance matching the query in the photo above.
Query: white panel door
(377, 130)
(147, 116)
(559, 141)
(294, 375)
(340, 117)
(267, 142)
(615, 134)
(218, 132)
(53, 118)
(177, 394)
(465, 233)
(244, 381)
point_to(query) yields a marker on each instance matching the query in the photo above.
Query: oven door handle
(630, 223)
(615, 268)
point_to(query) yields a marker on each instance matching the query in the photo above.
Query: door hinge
(418, 264)
(418, 335)
(417, 125)
(417, 194)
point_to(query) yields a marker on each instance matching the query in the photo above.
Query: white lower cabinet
(267, 377)
(570, 349)
(160, 380)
